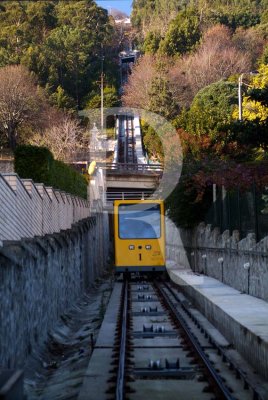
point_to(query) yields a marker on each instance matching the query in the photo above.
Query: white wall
(28, 209)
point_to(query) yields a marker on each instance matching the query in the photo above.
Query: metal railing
(139, 195)
(121, 167)
(245, 211)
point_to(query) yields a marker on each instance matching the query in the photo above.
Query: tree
(110, 99)
(23, 24)
(62, 138)
(211, 109)
(216, 58)
(60, 41)
(182, 35)
(143, 73)
(61, 99)
(264, 58)
(151, 42)
(152, 142)
(249, 41)
(255, 104)
(20, 102)
(154, 15)
(12, 34)
(161, 101)
(252, 131)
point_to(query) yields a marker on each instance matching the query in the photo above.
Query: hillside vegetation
(193, 54)
(50, 64)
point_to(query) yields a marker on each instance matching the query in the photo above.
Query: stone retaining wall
(40, 278)
(241, 264)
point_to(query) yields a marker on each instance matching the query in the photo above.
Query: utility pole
(240, 99)
(102, 83)
(240, 83)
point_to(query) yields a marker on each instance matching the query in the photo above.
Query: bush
(183, 205)
(38, 164)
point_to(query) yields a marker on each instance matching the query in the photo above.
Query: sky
(122, 5)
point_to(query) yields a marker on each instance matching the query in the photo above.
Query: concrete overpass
(131, 180)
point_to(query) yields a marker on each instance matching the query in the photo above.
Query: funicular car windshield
(139, 221)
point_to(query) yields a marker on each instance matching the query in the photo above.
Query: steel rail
(239, 372)
(135, 166)
(222, 390)
(120, 382)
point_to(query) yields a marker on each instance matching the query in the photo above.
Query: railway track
(162, 351)
(126, 145)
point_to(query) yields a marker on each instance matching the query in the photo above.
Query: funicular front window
(139, 221)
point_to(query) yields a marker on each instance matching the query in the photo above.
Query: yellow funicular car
(139, 235)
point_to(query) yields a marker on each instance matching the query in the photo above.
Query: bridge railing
(137, 195)
(121, 167)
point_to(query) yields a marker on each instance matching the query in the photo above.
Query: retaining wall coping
(14, 181)
(75, 200)
(8, 252)
(42, 190)
(58, 194)
(33, 187)
(27, 246)
(59, 239)
(6, 183)
(51, 193)
(65, 197)
(248, 242)
(39, 241)
(10, 247)
(243, 319)
(50, 238)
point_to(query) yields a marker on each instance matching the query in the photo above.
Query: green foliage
(182, 206)
(245, 18)
(211, 109)
(252, 134)
(38, 164)
(161, 100)
(264, 59)
(182, 35)
(143, 11)
(33, 162)
(151, 42)
(152, 142)
(150, 15)
(61, 99)
(110, 98)
(174, 28)
(60, 41)
(66, 178)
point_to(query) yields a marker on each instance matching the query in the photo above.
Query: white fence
(28, 209)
